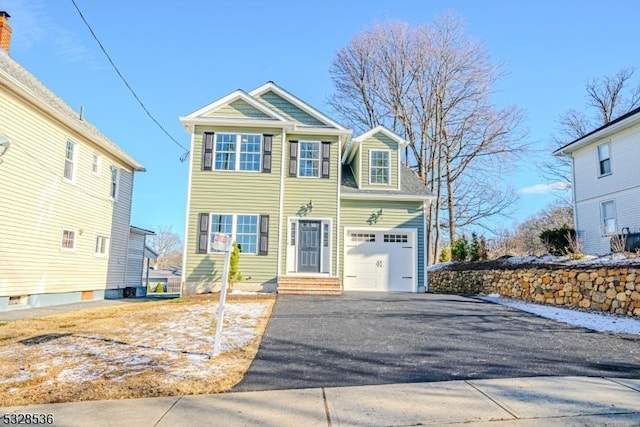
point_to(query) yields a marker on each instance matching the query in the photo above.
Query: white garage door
(380, 260)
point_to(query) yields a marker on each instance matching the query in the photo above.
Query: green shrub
(445, 254)
(234, 274)
(159, 287)
(559, 241)
(460, 249)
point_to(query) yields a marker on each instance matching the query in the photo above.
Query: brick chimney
(5, 31)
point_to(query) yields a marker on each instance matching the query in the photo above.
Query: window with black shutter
(203, 233)
(267, 146)
(207, 156)
(326, 158)
(263, 248)
(293, 158)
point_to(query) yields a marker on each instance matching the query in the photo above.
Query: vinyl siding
(135, 259)
(357, 213)
(590, 223)
(37, 203)
(622, 186)
(232, 192)
(238, 109)
(378, 142)
(625, 173)
(322, 192)
(288, 110)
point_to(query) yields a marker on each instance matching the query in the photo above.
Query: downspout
(425, 262)
(573, 193)
(338, 208)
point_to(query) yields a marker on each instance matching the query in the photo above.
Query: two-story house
(312, 209)
(606, 182)
(65, 197)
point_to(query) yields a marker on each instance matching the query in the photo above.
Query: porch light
(310, 206)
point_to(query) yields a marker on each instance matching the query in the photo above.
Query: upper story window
(68, 239)
(101, 245)
(309, 158)
(237, 152)
(70, 161)
(608, 213)
(115, 183)
(379, 167)
(604, 159)
(95, 167)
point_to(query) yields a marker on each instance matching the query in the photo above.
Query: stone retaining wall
(614, 289)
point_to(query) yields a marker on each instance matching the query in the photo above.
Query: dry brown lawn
(127, 351)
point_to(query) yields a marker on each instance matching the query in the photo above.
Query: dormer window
(379, 170)
(604, 159)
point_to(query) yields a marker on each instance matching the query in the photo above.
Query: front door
(309, 247)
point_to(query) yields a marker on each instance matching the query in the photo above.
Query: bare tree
(432, 84)
(524, 238)
(608, 97)
(168, 246)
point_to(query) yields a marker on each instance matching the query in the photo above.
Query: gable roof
(412, 188)
(272, 87)
(352, 147)
(234, 96)
(26, 85)
(623, 122)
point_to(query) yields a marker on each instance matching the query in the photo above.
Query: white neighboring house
(606, 182)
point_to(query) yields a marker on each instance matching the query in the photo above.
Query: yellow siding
(321, 191)
(378, 141)
(232, 192)
(36, 203)
(238, 109)
(396, 214)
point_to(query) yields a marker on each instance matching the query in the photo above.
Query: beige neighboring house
(65, 197)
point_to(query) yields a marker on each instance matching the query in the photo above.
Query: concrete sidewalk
(548, 401)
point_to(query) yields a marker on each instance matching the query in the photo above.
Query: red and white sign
(222, 242)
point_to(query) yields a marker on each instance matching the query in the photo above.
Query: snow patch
(602, 322)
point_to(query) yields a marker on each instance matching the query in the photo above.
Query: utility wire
(185, 155)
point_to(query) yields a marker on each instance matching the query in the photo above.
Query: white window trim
(371, 151)
(114, 197)
(106, 246)
(74, 161)
(236, 166)
(602, 218)
(319, 159)
(234, 224)
(97, 160)
(598, 160)
(75, 237)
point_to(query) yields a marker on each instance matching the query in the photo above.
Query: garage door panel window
(396, 238)
(363, 237)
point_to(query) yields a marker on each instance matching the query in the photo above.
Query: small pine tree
(474, 248)
(460, 249)
(445, 254)
(234, 274)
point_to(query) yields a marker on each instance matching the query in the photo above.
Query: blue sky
(180, 56)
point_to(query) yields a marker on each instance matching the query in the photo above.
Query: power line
(126, 83)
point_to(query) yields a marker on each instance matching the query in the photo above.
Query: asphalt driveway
(371, 338)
